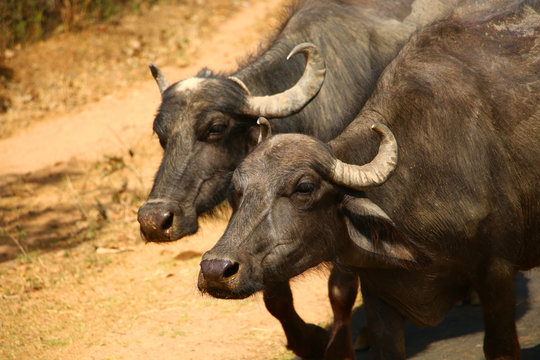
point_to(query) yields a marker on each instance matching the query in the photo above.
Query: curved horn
(291, 100)
(240, 83)
(266, 129)
(376, 172)
(158, 76)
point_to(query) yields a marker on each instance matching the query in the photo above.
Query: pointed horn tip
(156, 72)
(301, 48)
(382, 129)
(265, 129)
(377, 126)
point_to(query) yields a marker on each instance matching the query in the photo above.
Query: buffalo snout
(218, 277)
(162, 221)
(226, 277)
(217, 270)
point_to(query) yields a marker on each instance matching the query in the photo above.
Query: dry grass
(27, 21)
(77, 68)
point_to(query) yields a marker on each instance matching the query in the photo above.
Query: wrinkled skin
(460, 211)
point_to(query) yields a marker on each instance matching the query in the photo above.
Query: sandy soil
(77, 157)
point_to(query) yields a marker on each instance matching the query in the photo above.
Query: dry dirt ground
(77, 158)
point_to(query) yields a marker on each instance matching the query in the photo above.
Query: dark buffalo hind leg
(386, 328)
(496, 290)
(305, 340)
(342, 290)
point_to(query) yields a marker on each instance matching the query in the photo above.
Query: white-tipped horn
(292, 100)
(240, 83)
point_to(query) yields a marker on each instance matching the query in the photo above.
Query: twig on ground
(78, 200)
(16, 241)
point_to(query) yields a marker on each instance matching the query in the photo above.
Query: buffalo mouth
(227, 293)
(165, 236)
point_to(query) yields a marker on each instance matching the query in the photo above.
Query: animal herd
(402, 146)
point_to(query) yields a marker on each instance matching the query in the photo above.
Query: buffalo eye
(215, 131)
(305, 188)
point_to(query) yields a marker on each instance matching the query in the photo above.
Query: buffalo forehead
(291, 145)
(185, 103)
(282, 151)
(190, 84)
(278, 158)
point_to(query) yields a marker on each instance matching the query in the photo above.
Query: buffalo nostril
(231, 270)
(218, 269)
(158, 221)
(168, 220)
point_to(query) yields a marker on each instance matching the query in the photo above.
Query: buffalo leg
(305, 340)
(386, 328)
(342, 291)
(496, 291)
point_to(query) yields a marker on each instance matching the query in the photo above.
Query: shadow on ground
(61, 207)
(460, 335)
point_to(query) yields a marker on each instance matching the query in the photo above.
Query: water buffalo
(458, 209)
(207, 124)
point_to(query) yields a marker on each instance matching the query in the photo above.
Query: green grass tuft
(26, 21)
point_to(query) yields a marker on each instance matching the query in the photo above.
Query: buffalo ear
(253, 137)
(373, 231)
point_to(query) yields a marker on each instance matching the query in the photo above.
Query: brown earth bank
(77, 159)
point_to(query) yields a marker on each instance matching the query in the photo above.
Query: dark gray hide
(461, 209)
(204, 128)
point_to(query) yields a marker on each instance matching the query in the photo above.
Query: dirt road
(76, 280)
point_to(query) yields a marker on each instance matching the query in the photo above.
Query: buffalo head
(298, 206)
(206, 126)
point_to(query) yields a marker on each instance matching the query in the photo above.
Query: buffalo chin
(226, 292)
(185, 232)
(176, 235)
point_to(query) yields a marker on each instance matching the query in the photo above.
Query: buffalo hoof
(362, 340)
(472, 298)
(311, 344)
